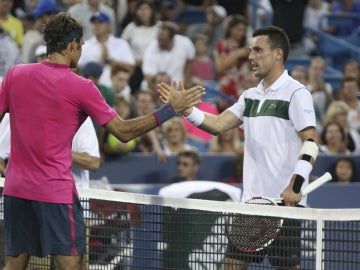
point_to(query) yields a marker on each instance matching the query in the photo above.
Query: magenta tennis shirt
(47, 104)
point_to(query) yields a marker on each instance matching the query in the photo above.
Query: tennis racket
(250, 233)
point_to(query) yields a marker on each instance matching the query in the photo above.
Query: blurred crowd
(130, 47)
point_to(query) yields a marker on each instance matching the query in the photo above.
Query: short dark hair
(278, 39)
(191, 153)
(60, 31)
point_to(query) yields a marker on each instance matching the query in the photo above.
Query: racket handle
(326, 177)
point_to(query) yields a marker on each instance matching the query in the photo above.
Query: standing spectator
(321, 90)
(106, 49)
(9, 53)
(213, 27)
(187, 166)
(10, 24)
(349, 92)
(160, 54)
(231, 54)
(289, 15)
(203, 66)
(139, 33)
(344, 170)
(86, 9)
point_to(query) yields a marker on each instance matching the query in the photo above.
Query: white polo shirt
(118, 50)
(271, 122)
(172, 61)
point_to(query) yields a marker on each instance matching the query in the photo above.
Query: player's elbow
(94, 164)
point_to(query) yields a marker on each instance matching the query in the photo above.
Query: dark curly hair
(60, 31)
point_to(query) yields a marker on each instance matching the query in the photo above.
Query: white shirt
(139, 37)
(83, 12)
(5, 137)
(272, 120)
(118, 50)
(84, 141)
(312, 16)
(171, 61)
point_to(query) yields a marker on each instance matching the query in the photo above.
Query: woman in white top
(139, 33)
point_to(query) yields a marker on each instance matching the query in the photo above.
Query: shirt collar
(276, 85)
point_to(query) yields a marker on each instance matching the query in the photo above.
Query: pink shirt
(47, 104)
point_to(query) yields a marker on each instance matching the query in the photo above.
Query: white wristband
(303, 168)
(196, 117)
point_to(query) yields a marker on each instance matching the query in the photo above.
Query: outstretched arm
(177, 102)
(211, 123)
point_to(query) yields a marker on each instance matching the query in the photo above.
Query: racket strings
(252, 233)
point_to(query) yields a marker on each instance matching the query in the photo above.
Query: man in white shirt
(106, 49)
(161, 53)
(86, 9)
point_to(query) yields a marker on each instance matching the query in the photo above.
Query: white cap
(219, 11)
(40, 50)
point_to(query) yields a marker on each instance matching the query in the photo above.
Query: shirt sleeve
(301, 109)
(85, 140)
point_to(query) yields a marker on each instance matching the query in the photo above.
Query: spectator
(344, 170)
(321, 90)
(40, 53)
(349, 92)
(119, 80)
(187, 166)
(93, 71)
(238, 164)
(345, 6)
(338, 112)
(174, 136)
(85, 11)
(352, 69)
(231, 54)
(9, 52)
(139, 33)
(106, 49)
(203, 66)
(161, 76)
(41, 14)
(10, 24)
(262, 15)
(213, 27)
(314, 11)
(226, 142)
(333, 139)
(289, 15)
(168, 46)
(234, 7)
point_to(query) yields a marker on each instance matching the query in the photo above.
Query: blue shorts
(40, 228)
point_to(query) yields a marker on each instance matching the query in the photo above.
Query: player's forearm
(85, 161)
(2, 167)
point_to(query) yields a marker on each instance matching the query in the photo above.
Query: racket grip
(326, 177)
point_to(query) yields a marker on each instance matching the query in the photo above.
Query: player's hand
(290, 198)
(180, 99)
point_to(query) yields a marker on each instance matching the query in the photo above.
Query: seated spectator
(352, 69)
(203, 66)
(106, 49)
(187, 166)
(350, 89)
(226, 142)
(338, 112)
(238, 164)
(321, 90)
(231, 56)
(333, 139)
(9, 24)
(344, 7)
(9, 52)
(139, 33)
(119, 80)
(158, 78)
(344, 170)
(174, 136)
(213, 27)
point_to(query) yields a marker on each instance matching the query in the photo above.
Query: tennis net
(138, 231)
